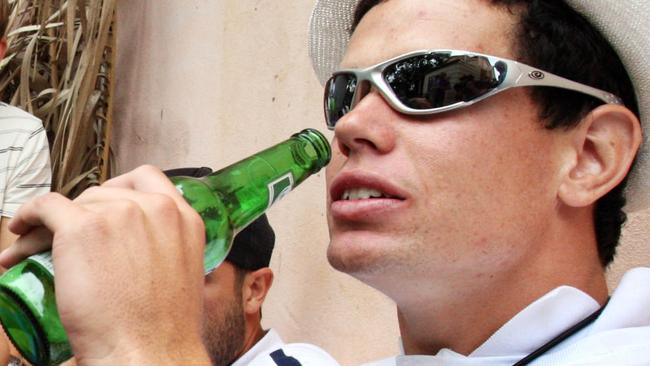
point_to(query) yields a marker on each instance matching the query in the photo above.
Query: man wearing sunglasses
(481, 154)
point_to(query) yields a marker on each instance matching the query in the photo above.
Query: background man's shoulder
(10, 115)
(296, 354)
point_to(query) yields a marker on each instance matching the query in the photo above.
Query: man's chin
(354, 260)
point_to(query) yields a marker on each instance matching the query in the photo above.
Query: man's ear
(256, 286)
(605, 143)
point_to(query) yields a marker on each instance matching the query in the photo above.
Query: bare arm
(6, 236)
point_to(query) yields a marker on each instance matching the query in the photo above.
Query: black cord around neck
(561, 337)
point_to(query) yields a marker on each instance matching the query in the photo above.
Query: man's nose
(369, 126)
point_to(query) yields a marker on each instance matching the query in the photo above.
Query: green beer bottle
(227, 200)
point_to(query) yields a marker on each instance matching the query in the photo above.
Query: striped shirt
(24, 159)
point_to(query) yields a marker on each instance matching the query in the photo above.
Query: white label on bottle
(45, 260)
(280, 188)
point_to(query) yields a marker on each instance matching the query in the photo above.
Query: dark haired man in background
(487, 211)
(234, 294)
(233, 297)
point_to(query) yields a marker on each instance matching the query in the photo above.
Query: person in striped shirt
(24, 168)
(24, 154)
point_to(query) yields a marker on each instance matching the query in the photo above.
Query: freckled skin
(480, 226)
(466, 170)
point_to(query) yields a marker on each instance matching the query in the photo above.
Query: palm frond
(59, 67)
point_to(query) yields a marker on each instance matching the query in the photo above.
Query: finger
(37, 240)
(154, 203)
(146, 178)
(51, 210)
(158, 207)
(166, 224)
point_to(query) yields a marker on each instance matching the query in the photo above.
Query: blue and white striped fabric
(24, 159)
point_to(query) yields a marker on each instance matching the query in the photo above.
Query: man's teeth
(361, 194)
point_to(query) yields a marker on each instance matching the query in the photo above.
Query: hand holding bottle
(129, 276)
(128, 253)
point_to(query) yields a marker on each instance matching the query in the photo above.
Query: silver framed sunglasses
(434, 81)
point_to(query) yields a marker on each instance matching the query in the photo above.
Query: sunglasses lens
(437, 80)
(339, 94)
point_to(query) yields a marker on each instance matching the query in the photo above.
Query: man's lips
(359, 186)
(357, 196)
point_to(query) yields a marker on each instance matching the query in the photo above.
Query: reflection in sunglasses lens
(339, 93)
(437, 80)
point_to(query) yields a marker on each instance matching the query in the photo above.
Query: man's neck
(254, 333)
(463, 322)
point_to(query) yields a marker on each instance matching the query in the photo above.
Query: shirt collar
(538, 323)
(269, 343)
(546, 318)
(628, 306)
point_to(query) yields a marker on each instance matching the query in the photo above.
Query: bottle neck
(249, 187)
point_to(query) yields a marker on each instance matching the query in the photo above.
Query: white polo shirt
(620, 335)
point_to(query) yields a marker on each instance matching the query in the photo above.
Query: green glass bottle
(227, 200)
